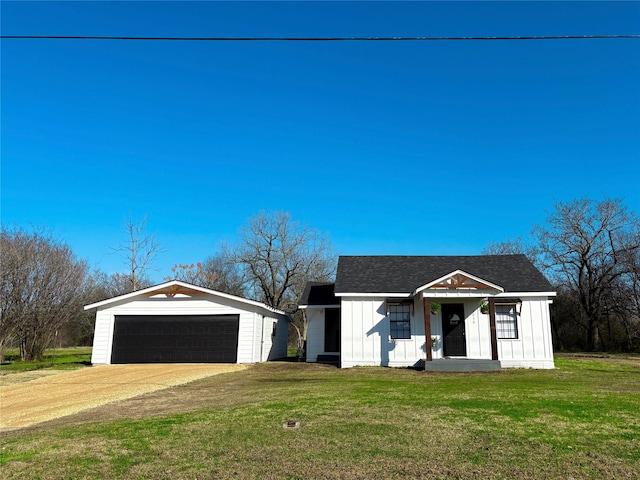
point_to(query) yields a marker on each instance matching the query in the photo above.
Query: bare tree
(113, 285)
(139, 250)
(279, 256)
(514, 246)
(592, 248)
(217, 272)
(43, 287)
(272, 261)
(225, 275)
(622, 311)
(189, 272)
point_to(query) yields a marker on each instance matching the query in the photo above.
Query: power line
(315, 39)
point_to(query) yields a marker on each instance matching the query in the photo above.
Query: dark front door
(455, 344)
(332, 330)
(175, 339)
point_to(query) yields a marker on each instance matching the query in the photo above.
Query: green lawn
(581, 420)
(61, 358)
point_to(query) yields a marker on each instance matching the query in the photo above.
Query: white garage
(176, 322)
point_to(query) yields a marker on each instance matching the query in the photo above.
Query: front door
(455, 344)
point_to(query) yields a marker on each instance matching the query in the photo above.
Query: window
(400, 320)
(506, 321)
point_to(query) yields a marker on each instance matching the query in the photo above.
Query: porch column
(427, 327)
(492, 326)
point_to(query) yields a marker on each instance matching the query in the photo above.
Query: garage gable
(178, 289)
(176, 322)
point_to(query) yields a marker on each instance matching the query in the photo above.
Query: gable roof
(405, 274)
(174, 287)
(318, 294)
(460, 279)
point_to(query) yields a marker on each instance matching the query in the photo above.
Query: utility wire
(313, 39)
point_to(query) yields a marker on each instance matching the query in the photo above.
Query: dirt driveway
(46, 398)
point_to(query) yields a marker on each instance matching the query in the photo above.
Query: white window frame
(507, 322)
(399, 313)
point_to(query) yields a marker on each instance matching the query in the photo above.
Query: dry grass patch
(43, 399)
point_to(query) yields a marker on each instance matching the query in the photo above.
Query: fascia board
(306, 307)
(127, 296)
(239, 299)
(172, 283)
(381, 294)
(525, 294)
(456, 272)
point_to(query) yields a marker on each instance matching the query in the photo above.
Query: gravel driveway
(46, 398)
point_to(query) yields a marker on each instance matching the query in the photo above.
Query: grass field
(581, 420)
(61, 358)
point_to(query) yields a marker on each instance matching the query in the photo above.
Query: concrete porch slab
(462, 365)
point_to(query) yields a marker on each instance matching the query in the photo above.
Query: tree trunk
(591, 335)
(557, 341)
(600, 340)
(23, 349)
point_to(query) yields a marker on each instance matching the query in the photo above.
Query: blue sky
(413, 148)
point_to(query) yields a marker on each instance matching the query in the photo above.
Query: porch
(460, 320)
(462, 365)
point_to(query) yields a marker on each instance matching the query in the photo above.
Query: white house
(177, 322)
(446, 312)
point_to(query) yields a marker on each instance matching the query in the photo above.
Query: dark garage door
(175, 339)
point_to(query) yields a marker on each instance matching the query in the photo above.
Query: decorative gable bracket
(173, 291)
(459, 280)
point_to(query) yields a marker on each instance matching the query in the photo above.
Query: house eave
(178, 283)
(526, 294)
(434, 293)
(369, 294)
(305, 307)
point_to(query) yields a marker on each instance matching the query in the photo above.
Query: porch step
(329, 359)
(462, 365)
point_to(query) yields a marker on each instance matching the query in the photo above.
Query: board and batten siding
(366, 338)
(274, 347)
(315, 333)
(533, 348)
(249, 328)
(102, 337)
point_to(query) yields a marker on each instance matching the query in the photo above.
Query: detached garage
(177, 322)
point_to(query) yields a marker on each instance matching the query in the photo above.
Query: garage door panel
(175, 339)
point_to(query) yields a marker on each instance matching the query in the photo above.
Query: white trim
(178, 283)
(434, 294)
(304, 307)
(379, 295)
(456, 272)
(525, 294)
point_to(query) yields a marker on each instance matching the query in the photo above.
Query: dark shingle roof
(318, 293)
(403, 274)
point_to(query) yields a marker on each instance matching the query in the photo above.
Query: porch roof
(405, 274)
(319, 295)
